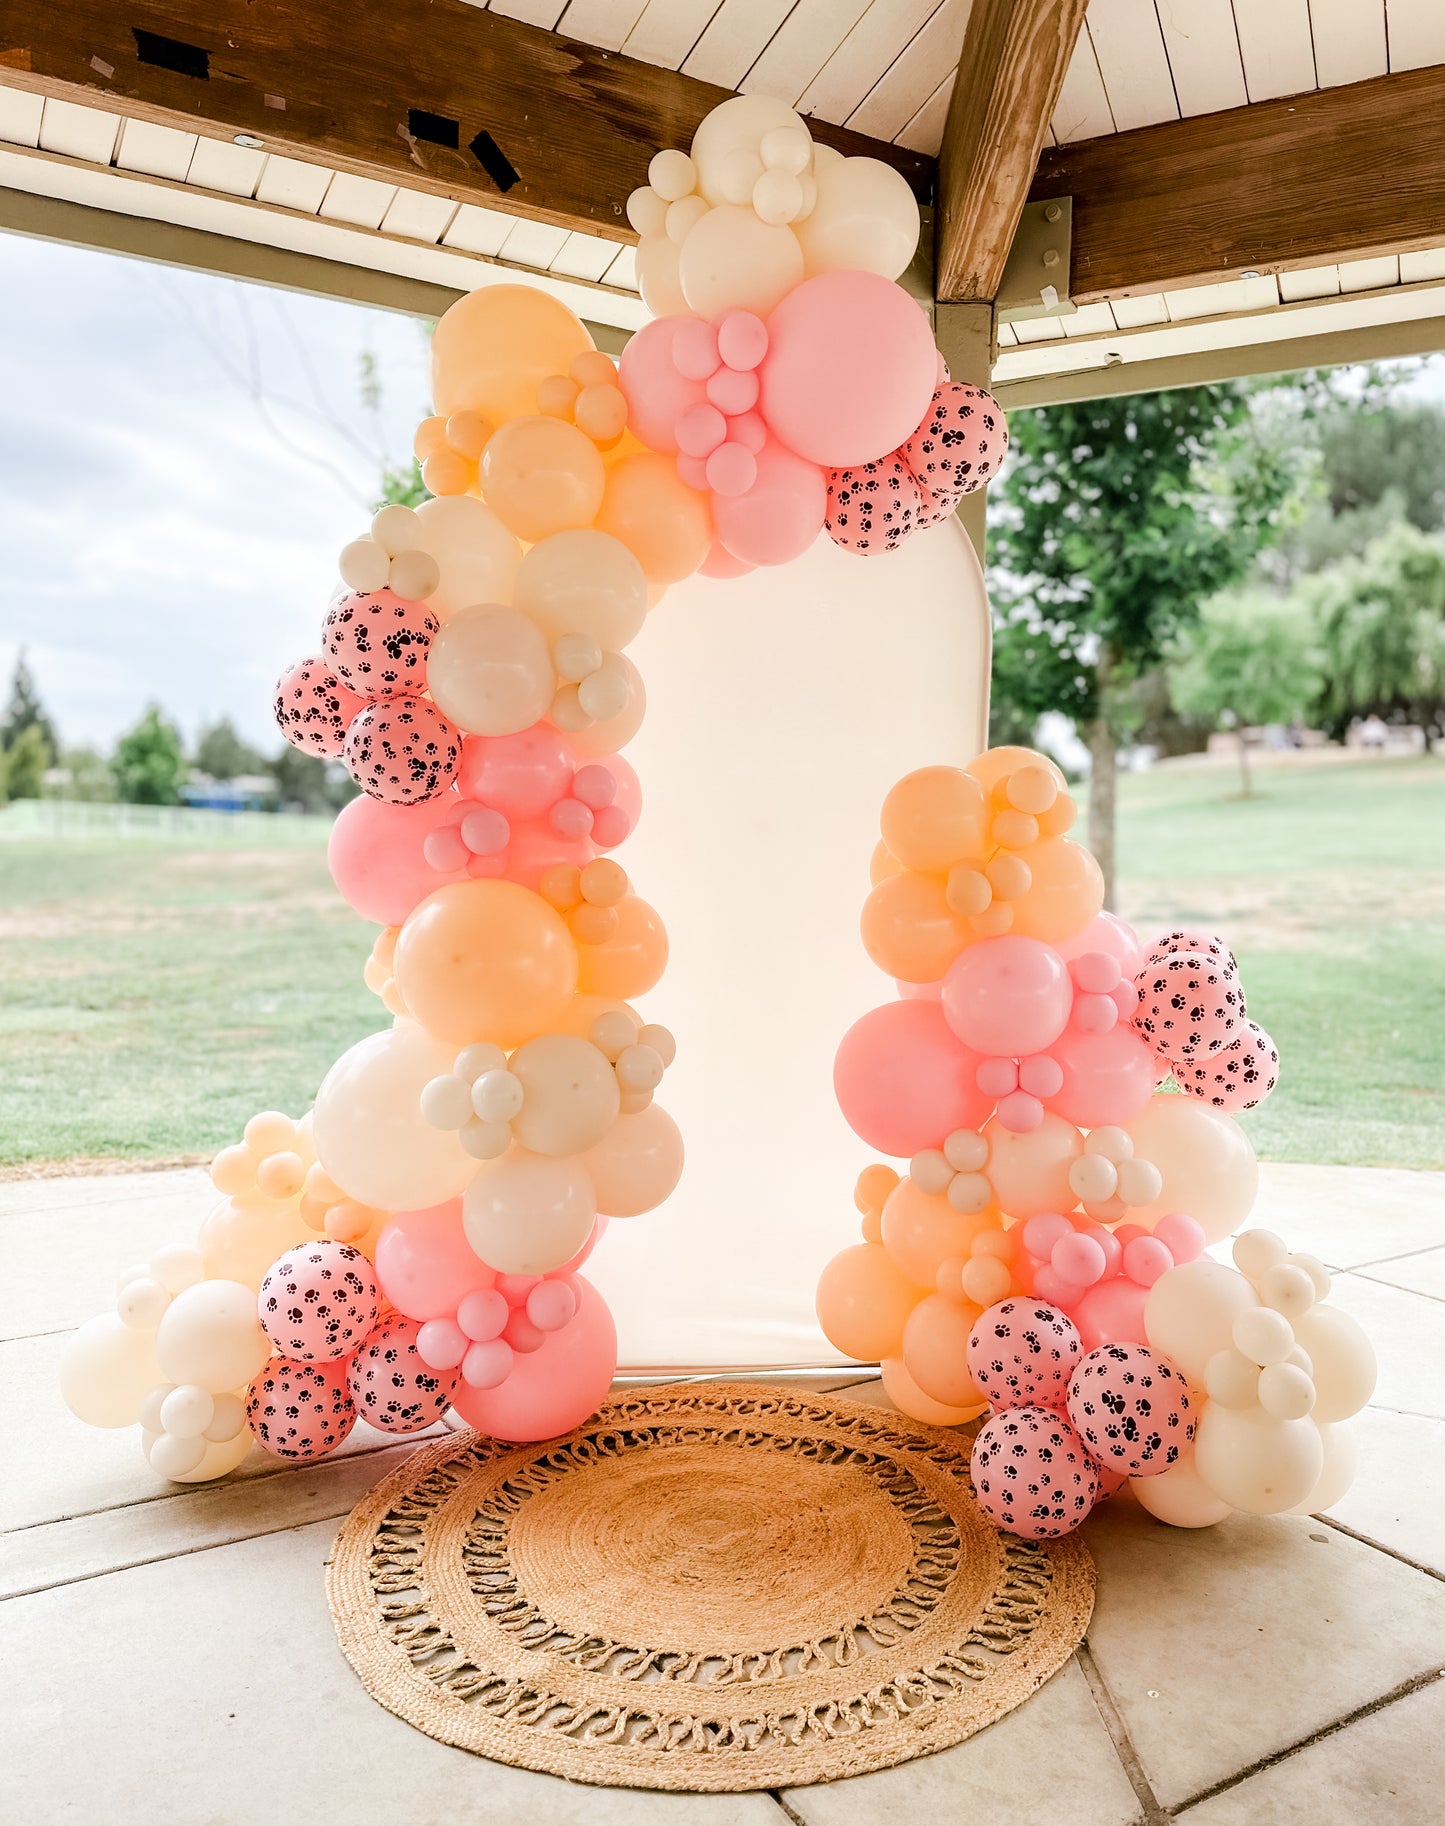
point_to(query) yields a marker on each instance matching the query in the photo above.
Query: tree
(149, 765)
(1249, 659)
(313, 784)
(1117, 518)
(222, 754)
(89, 775)
(25, 711)
(23, 764)
(1380, 621)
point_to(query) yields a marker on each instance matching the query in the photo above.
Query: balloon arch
(416, 1242)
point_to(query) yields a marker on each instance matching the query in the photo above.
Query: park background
(1223, 606)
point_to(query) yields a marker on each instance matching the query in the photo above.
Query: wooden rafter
(432, 94)
(1014, 56)
(1308, 180)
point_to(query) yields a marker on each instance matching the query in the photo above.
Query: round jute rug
(706, 1588)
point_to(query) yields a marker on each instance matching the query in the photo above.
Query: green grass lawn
(160, 988)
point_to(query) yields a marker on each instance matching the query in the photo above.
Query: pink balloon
(904, 1081)
(721, 563)
(849, 371)
(426, 1266)
(1031, 1474)
(1022, 1352)
(377, 642)
(521, 776)
(628, 797)
(1181, 1236)
(1132, 1409)
(554, 1388)
(656, 393)
(392, 1385)
(314, 709)
(960, 443)
(872, 509)
(533, 850)
(377, 857)
(402, 750)
(1108, 933)
(1238, 1076)
(1189, 938)
(1146, 1259)
(1112, 1313)
(1190, 1005)
(318, 1301)
(1008, 996)
(300, 1410)
(780, 516)
(1108, 1077)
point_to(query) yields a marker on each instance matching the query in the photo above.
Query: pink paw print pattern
(1192, 1014)
(402, 750)
(1031, 1474)
(873, 508)
(314, 709)
(377, 643)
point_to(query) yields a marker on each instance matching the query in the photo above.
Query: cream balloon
(1180, 1496)
(865, 219)
(529, 1213)
(609, 735)
(489, 670)
(476, 555)
(241, 1237)
(658, 260)
(1338, 1445)
(211, 1336)
(637, 1163)
(569, 1094)
(733, 127)
(583, 582)
(1190, 1312)
(1204, 1159)
(107, 1371)
(218, 1459)
(1342, 1361)
(1029, 1172)
(371, 1137)
(1254, 1463)
(733, 261)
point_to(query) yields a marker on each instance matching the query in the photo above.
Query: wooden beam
(1014, 56)
(433, 94)
(1308, 180)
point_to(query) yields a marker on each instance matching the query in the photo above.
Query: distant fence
(72, 818)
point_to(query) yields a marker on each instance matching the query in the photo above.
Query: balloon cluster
(1057, 1200)
(792, 382)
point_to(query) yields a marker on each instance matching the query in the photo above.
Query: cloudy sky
(181, 459)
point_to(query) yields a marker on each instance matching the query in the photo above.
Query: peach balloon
(909, 929)
(1207, 1164)
(1065, 893)
(583, 582)
(921, 1230)
(637, 1164)
(883, 865)
(542, 476)
(485, 960)
(935, 1351)
(996, 764)
(630, 962)
(909, 1399)
(664, 524)
(933, 817)
(241, 1237)
(863, 1303)
(1030, 1172)
(492, 349)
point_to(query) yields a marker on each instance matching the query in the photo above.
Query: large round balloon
(377, 855)
(637, 1163)
(865, 218)
(905, 1081)
(475, 553)
(554, 1388)
(1207, 1164)
(107, 1371)
(494, 346)
(863, 1302)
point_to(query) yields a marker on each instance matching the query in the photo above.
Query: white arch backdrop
(781, 706)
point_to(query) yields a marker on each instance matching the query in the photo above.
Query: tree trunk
(1102, 777)
(1246, 780)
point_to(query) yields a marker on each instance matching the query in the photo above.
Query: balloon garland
(1043, 1257)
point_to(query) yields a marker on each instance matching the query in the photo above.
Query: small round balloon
(1031, 1474)
(961, 442)
(319, 1301)
(391, 1385)
(300, 1410)
(1132, 1409)
(1190, 1005)
(1238, 1076)
(376, 642)
(872, 509)
(1021, 1353)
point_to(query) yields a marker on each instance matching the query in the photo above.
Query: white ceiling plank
(478, 231)
(545, 13)
(1370, 275)
(78, 133)
(913, 76)
(1349, 40)
(218, 165)
(1039, 329)
(601, 22)
(880, 36)
(803, 43)
(924, 133)
(667, 31)
(292, 185)
(20, 114)
(1089, 320)
(1416, 33)
(1082, 110)
(361, 201)
(417, 216)
(159, 152)
(734, 39)
(1204, 55)
(1231, 295)
(1130, 48)
(1134, 313)
(533, 243)
(1274, 40)
(583, 257)
(1309, 282)
(1428, 264)
(623, 270)
(1006, 337)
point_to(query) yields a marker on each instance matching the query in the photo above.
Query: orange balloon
(910, 930)
(995, 763)
(493, 348)
(921, 1230)
(486, 960)
(1066, 891)
(909, 1399)
(541, 476)
(863, 1303)
(935, 1351)
(665, 524)
(934, 817)
(630, 962)
(883, 865)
